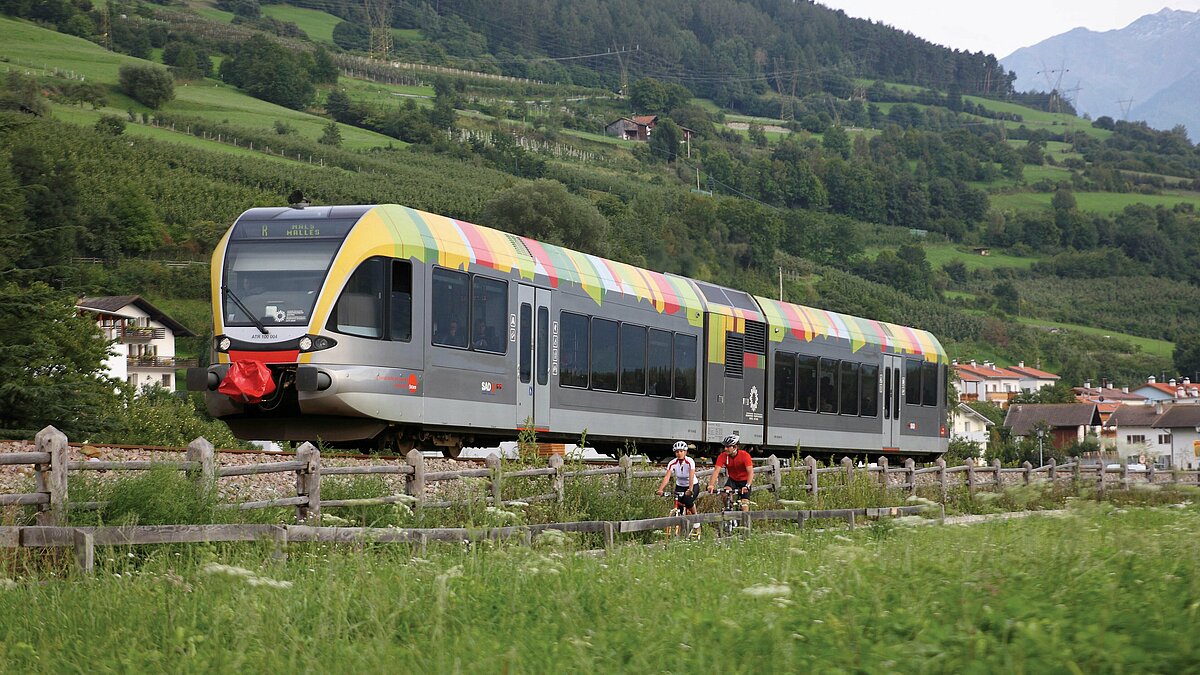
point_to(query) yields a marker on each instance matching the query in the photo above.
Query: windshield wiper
(237, 301)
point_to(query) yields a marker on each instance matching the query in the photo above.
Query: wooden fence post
(776, 475)
(85, 551)
(970, 464)
(883, 469)
(609, 535)
(1028, 473)
(52, 478)
(414, 483)
(997, 476)
(493, 463)
(810, 463)
(848, 466)
(308, 482)
(1102, 478)
(941, 467)
(1124, 474)
(626, 463)
(1076, 469)
(910, 469)
(1053, 470)
(1150, 473)
(201, 452)
(556, 463)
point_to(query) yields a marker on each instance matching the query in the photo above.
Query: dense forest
(882, 152)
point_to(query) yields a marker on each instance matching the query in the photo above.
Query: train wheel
(452, 451)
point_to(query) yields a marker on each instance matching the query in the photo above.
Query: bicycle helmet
(679, 445)
(731, 439)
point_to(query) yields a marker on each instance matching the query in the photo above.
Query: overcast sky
(1002, 28)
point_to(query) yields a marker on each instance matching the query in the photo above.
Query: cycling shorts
(737, 486)
(685, 499)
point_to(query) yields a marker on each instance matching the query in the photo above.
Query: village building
(143, 349)
(1067, 423)
(970, 426)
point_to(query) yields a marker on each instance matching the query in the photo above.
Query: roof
(967, 376)
(1173, 389)
(1032, 372)
(1106, 393)
(1179, 416)
(1021, 418)
(987, 372)
(113, 304)
(964, 409)
(807, 324)
(645, 120)
(1134, 416)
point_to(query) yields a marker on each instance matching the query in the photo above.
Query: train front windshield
(278, 281)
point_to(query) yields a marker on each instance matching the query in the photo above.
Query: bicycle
(680, 509)
(730, 502)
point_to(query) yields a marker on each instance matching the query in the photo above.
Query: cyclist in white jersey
(687, 485)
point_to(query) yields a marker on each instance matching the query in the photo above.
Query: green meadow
(1096, 589)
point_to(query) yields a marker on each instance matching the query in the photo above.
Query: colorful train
(393, 328)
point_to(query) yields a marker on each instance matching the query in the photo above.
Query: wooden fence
(51, 467)
(84, 539)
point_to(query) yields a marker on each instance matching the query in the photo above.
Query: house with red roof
(986, 382)
(1032, 379)
(1171, 390)
(639, 128)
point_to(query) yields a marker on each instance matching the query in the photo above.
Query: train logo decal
(753, 400)
(412, 383)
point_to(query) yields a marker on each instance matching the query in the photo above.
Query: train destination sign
(313, 228)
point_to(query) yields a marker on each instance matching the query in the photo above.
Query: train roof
(807, 323)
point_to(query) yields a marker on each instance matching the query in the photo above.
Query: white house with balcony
(969, 425)
(143, 350)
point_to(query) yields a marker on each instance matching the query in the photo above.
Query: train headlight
(223, 344)
(315, 343)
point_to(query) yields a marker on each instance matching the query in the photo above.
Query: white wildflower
(840, 537)
(330, 519)
(452, 573)
(767, 590)
(792, 502)
(7, 584)
(797, 551)
(501, 514)
(243, 573)
(776, 533)
(518, 503)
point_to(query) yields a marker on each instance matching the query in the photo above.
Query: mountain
(1153, 62)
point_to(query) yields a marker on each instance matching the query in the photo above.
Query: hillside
(872, 194)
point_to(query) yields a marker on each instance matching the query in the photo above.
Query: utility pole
(1126, 104)
(379, 20)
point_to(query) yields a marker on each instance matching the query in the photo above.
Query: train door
(533, 338)
(893, 390)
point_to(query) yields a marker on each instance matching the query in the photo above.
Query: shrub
(110, 125)
(160, 496)
(149, 85)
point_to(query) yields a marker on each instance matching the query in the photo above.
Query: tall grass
(1104, 589)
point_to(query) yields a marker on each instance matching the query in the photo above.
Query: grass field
(30, 46)
(1102, 589)
(1151, 346)
(940, 254)
(316, 24)
(1097, 202)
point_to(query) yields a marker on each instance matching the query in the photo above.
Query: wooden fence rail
(84, 539)
(50, 466)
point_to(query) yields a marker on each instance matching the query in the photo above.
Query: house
(1032, 379)
(969, 425)
(1182, 426)
(143, 351)
(1136, 433)
(639, 128)
(1068, 422)
(1171, 390)
(1108, 400)
(987, 382)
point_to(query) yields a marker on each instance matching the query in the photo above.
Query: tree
(544, 210)
(149, 85)
(664, 141)
(51, 364)
(331, 135)
(837, 141)
(324, 70)
(1186, 356)
(268, 71)
(110, 125)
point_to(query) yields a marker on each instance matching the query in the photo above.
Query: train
(387, 327)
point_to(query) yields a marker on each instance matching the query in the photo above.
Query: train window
(685, 367)
(489, 310)
(573, 350)
(912, 384)
(604, 355)
(451, 308)
(929, 384)
(806, 383)
(868, 395)
(400, 304)
(827, 385)
(359, 310)
(659, 367)
(543, 345)
(526, 343)
(633, 359)
(849, 388)
(785, 381)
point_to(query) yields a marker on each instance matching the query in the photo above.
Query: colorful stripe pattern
(457, 244)
(808, 324)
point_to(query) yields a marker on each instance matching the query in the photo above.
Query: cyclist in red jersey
(739, 468)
